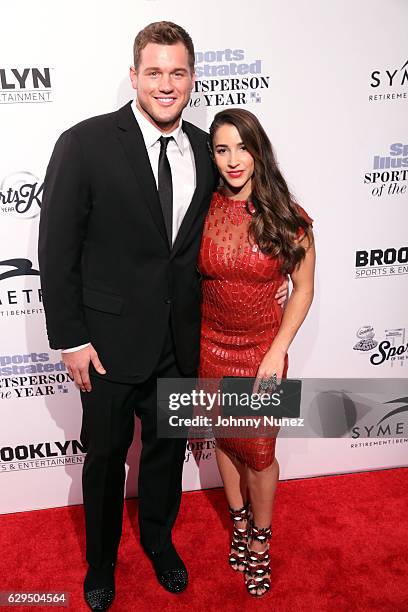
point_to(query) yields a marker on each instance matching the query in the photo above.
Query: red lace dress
(240, 316)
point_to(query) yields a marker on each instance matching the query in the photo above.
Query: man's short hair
(163, 33)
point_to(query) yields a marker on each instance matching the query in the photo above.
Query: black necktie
(165, 187)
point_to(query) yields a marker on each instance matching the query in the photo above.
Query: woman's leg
(233, 474)
(262, 486)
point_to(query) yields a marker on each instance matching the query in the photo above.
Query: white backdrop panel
(311, 66)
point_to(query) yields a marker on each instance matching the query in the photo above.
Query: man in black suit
(125, 198)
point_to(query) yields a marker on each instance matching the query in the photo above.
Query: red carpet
(340, 544)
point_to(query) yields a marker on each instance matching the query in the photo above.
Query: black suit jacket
(108, 274)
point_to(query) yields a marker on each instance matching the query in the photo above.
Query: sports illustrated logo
(392, 350)
(227, 77)
(32, 375)
(386, 427)
(390, 172)
(21, 195)
(25, 85)
(40, 455)
(199, 450)
(20, 291)
(389, 84)
(381, 262)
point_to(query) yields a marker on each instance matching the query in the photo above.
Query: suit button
(168, 300)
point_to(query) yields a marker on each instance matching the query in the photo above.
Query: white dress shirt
(181, 160)
(183, 171)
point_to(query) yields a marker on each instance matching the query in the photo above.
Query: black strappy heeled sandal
(239, 543)
(258, 569)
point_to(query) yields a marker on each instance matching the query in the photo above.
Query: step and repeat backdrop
(329, 81)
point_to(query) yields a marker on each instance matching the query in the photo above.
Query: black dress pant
(107, 432)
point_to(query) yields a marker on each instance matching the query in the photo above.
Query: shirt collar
(151, 134)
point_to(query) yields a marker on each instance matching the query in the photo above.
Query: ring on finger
(267, 383)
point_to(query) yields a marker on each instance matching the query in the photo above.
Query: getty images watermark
(232, 407)
(223, 402)
(294, 408)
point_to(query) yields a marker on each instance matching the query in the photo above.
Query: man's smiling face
(163, 81)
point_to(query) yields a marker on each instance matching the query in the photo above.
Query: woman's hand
(272, 363)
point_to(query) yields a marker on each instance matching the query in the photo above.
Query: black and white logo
(386, 426)
(20, 291)
(199, 450)
(17, 267)
(389, 83)
(39, 455)
(374, 263)
(366, 339)
(392, 350)
(25, 85)
(21, 195)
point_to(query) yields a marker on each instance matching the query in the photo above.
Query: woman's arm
(294, 314)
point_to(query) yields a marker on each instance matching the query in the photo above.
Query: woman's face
(234, 162)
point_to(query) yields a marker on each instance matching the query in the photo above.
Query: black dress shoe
(99, 587)
(99, 599)
(170, 569)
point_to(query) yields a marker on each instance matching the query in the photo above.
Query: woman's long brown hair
(276, 219)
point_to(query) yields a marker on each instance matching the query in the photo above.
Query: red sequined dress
(240, 316)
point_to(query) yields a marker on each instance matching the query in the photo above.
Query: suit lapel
(201, 164)
(131, 139)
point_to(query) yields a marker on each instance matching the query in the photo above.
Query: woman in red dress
(255, 234)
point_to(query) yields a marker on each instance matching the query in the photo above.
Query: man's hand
(77, 364)
(282, 293)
